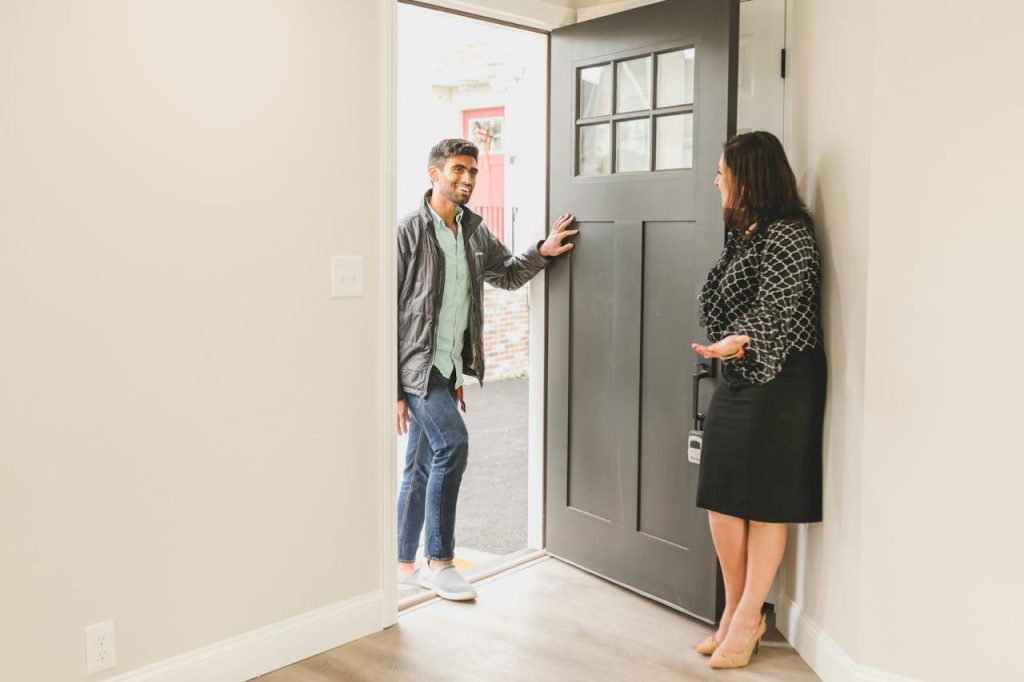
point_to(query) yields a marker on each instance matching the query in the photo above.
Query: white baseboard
(275, 646)
(825, 656)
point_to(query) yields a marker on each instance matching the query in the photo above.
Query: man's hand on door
(553, 245)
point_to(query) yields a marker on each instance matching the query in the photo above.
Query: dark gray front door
(641, 103)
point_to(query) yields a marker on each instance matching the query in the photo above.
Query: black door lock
(695, 440)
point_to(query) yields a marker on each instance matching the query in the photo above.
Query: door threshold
(498, 568)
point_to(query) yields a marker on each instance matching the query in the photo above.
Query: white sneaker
(448, 583)
(409, 580)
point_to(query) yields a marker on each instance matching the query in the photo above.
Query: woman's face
(723, 181)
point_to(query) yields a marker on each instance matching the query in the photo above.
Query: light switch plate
(346, 276)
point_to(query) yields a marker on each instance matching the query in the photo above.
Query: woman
(761, 456)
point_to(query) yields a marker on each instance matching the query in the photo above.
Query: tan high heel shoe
(708, 646)
(720, 659)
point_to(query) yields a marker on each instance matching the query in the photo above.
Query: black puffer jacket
(421, 284)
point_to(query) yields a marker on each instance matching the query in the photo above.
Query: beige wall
(904, 130)
(830, 148)
(188, 423)
(941, 447)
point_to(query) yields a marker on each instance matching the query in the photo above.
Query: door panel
(621, 306)
(605, 329)
(667, 487)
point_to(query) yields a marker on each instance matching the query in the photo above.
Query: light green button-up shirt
(454, 317)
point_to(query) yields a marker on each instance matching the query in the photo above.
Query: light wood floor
(546, 622)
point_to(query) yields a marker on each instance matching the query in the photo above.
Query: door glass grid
(635, 115)
(674, 141)
(595, 91)
(633, 80)
(595, 149)
(632, 145)
(675, 86)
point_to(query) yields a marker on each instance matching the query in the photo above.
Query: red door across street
(484, 127)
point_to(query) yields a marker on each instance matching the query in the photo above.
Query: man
(445, 254)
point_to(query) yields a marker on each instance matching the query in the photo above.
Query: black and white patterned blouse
(767, 287)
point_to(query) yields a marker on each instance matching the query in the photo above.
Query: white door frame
(387, 282)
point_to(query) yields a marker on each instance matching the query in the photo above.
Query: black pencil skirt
(761, 456)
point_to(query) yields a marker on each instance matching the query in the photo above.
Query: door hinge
(782, 63)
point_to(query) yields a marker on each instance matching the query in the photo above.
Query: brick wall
(506, 333)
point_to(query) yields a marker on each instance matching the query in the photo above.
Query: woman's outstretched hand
(730, 345)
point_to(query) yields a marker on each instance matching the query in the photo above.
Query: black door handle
(703, 370)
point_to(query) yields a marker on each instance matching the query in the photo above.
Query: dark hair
(446, 149)
(763, 185)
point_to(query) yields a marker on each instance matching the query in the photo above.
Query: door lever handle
(703, 370)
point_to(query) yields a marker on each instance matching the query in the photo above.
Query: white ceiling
(577, 4)
(542, 14)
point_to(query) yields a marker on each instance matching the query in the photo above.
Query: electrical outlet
(100, 647)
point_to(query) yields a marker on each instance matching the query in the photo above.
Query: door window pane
(675, 78)
(674, 143)
(596, 91)
(595, 146)
(633, 146)
(633, 83)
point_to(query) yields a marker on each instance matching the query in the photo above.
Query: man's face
(456, 180)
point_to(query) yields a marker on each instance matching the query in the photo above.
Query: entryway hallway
(548, 621)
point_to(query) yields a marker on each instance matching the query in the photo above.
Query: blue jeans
(434, 463)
